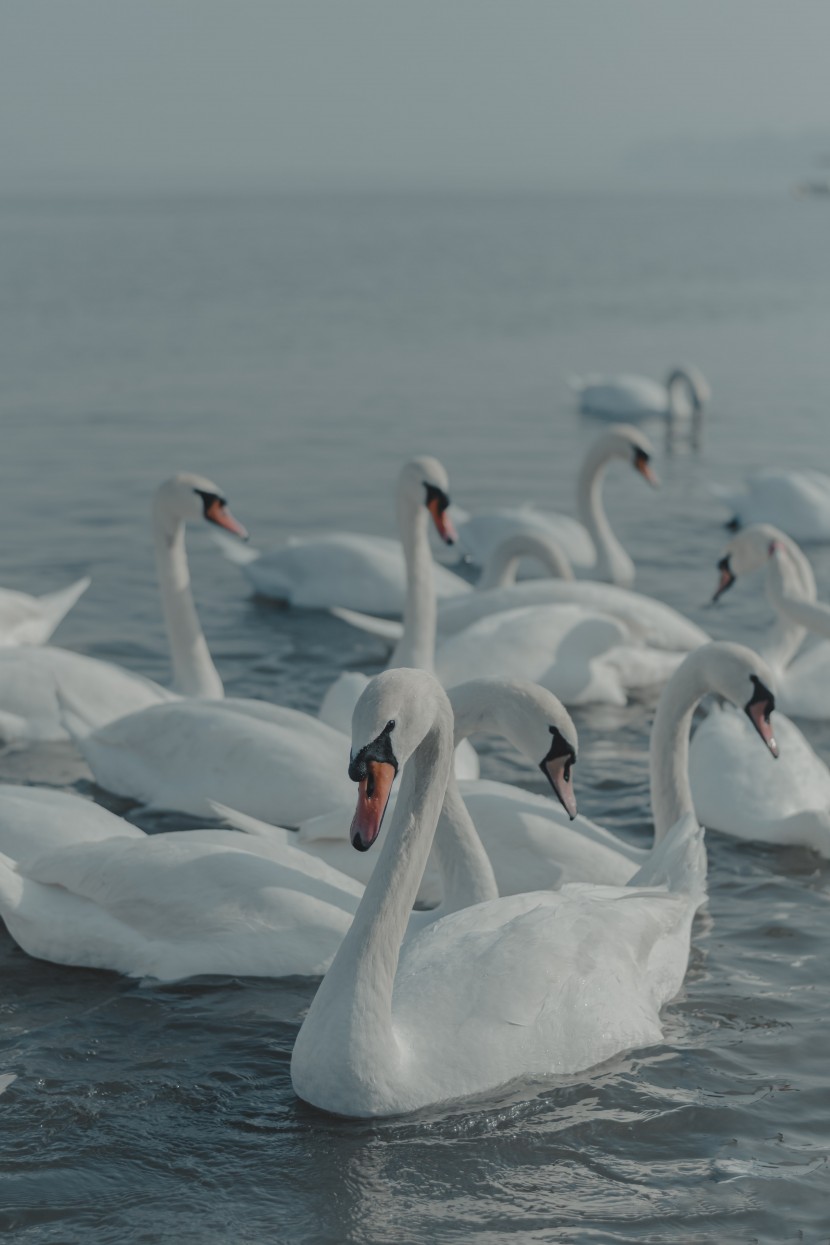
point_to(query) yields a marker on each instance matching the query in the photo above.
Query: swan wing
(481, 533)
(623, 397)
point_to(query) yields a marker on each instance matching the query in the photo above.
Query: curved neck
(353, 1006)
(613, 563)
(194, 673)
(503, 562)
(791, 591)
(416, 646)
(671, 796)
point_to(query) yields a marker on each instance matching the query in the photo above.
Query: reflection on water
(296, 350)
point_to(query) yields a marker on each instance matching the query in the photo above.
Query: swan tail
(56, 605)
(387, 628)
(677, 862)
(233, 549)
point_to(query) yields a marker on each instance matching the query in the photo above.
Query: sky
(354, 93)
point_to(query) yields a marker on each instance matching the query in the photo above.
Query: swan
(590, 542)
(80, 886)
(683, 394)
(35, 681)
(352, 570)
(802, 678)
(798, 502)
(530, 840)
(524, 986)
(25, 619)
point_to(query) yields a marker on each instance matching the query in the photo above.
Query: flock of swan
(468, 933)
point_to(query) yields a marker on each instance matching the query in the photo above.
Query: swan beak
(759, 712)
(642, 463)
(727, 579)
(217, 512)
(372, 798)
(443, 523)
(559, 772)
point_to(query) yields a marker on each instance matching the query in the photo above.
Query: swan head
(531, 718)
(393, 716)
(747, 551)
(739, 675)
(424, 482)
(187, 497)
(632, 445)
(695, 383)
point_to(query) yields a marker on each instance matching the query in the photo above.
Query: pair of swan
(683, 395)
(25, 619)
(80, 886)
(795, 807)
(36, 682)
(798, 502)
(521, 986)
(589, 542)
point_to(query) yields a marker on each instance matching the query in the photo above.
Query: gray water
(296, 349)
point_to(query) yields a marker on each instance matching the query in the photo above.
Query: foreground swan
(798, 502)
(81, 886)
(36, 683)
(683, 395)
(802, 678)
(590, 542)
(25, 619)
(352, 570)
(530, 840)
(526, 986)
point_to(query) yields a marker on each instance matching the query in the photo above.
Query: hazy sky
(392, 91)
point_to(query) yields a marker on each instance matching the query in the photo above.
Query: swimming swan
(349, 569)
(590, 542)
(34, 681)
(525, 986)
(798, 502)
(683, 394)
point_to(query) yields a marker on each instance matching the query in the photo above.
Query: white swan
(25, 619)
(526, 986)
(530, 841)
(34, 681)
(683, 395)
(590, 542)
(352, 570)
(798, 502)
(802, 678)
(79, 885)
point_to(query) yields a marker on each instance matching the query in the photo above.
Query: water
(296, 349)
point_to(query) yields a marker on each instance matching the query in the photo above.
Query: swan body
(25, 619)
(802, 676)
(735, 792)
(798, 502)
(524, 986)
(683, 393)
(271, 762)
(591, 542)
(354, 571)
(36, 683)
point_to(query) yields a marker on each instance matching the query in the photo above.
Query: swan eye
(390, 725)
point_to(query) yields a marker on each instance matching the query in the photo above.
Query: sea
(296, 348)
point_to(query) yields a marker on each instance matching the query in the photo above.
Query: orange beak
(372, 798)
(560, 775)
(219, 514)
(759, 716)
(645, 469)
(443, 522)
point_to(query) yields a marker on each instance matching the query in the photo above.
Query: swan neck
(502, 564)
(416, 647)
(467, 876)
(613, 563)
(354, 1001)
(792, 593)
(671, 795)
(194, 673)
